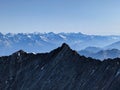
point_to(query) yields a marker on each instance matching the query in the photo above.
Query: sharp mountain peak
(61, 69)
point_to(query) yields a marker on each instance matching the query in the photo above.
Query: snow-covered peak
(44, 42)
(44, 38)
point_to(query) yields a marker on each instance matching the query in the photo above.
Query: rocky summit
(61, 69)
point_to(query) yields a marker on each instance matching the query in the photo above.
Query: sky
(101, 17)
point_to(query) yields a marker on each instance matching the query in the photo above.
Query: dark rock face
(61, 69)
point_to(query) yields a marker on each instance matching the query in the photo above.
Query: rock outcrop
(61, 69)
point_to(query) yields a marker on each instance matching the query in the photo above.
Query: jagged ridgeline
(45, 42)
(61, 69)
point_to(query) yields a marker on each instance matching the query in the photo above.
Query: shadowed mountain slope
(61, 69)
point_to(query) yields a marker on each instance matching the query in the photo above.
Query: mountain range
(45, 42)
(101, 54)
(60, 69)
(115, 45)
(110, 51)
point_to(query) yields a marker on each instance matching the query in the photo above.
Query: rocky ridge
(61, 69)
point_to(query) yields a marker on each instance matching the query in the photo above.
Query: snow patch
(42, 68)
(19, 54)
(118, 72)
(28, 36)
(33, 52)
(62, 36)
(43, 38)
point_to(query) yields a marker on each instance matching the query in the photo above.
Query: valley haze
(45, 42)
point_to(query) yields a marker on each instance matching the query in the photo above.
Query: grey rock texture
(61, 69)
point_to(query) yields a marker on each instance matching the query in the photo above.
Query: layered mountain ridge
(60, 69)
(101, 54)
(45, 42)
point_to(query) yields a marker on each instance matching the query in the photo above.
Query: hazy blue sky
(86, 16)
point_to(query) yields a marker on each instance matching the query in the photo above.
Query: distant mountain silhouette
(92, 49)
(102, 54)
(105, 54)
(115, 45)
(61, 69)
